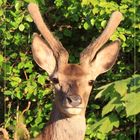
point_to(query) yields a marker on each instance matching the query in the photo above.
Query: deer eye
(91, 82)
(55, 80)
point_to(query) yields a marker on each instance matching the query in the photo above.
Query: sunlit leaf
(122, 86)
(110, 106)
(41, 80)
(28, 18)
(86, 26)
(103, 23)
(132, 103)
(21, 27)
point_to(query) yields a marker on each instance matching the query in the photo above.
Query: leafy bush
(119, 116)
(75, 23)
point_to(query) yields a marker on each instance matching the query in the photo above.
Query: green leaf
(58, 3)
(121, 86)
(95, 10)
(21, 27)
(13, 55)
(47, 91)
(110, 106)
(1, 59)
(18, 5)
(29, 90)
(114, 120)
(21, 65)
(1, 12)
(28, 18)
(132, 103)
(38, 120)
(67, 33)
(28, 64)
(105, 90)
(114, 37)
(1, 2)
(7, 92)
(92, 21)
(17, 79)
(41, 80)
(19, 19)
(103, 23)
(106, 124)
(85, 2)
(86, 26)
(134, 85)
(122, 37)
(19, 95)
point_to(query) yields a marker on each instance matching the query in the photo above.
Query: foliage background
(114, 109)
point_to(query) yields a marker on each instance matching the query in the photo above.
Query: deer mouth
(72, 110)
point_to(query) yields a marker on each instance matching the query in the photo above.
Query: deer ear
(105, 58)
(43, 55)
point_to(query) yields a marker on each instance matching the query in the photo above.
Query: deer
(72, 82)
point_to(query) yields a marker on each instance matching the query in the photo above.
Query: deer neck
(61, 127)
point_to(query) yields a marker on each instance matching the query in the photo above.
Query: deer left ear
(105, 58)
(43, 55)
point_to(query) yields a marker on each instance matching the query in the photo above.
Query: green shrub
(118, 118)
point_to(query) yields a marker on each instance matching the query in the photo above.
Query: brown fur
(61, 127)
(73, 70)
(67, 121)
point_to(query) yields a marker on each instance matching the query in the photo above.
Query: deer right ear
(43, 55)
(106, 58)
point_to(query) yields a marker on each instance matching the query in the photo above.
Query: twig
(27, 108)
(25, 75)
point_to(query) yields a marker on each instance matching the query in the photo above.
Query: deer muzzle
(72, 104)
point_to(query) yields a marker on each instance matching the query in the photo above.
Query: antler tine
(89, 53)
(55, 45)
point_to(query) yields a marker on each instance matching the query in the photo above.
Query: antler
(59, 51)
(89, 53)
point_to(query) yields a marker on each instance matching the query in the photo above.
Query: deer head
(73, 82)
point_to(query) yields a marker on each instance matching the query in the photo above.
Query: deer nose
(74, 100)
